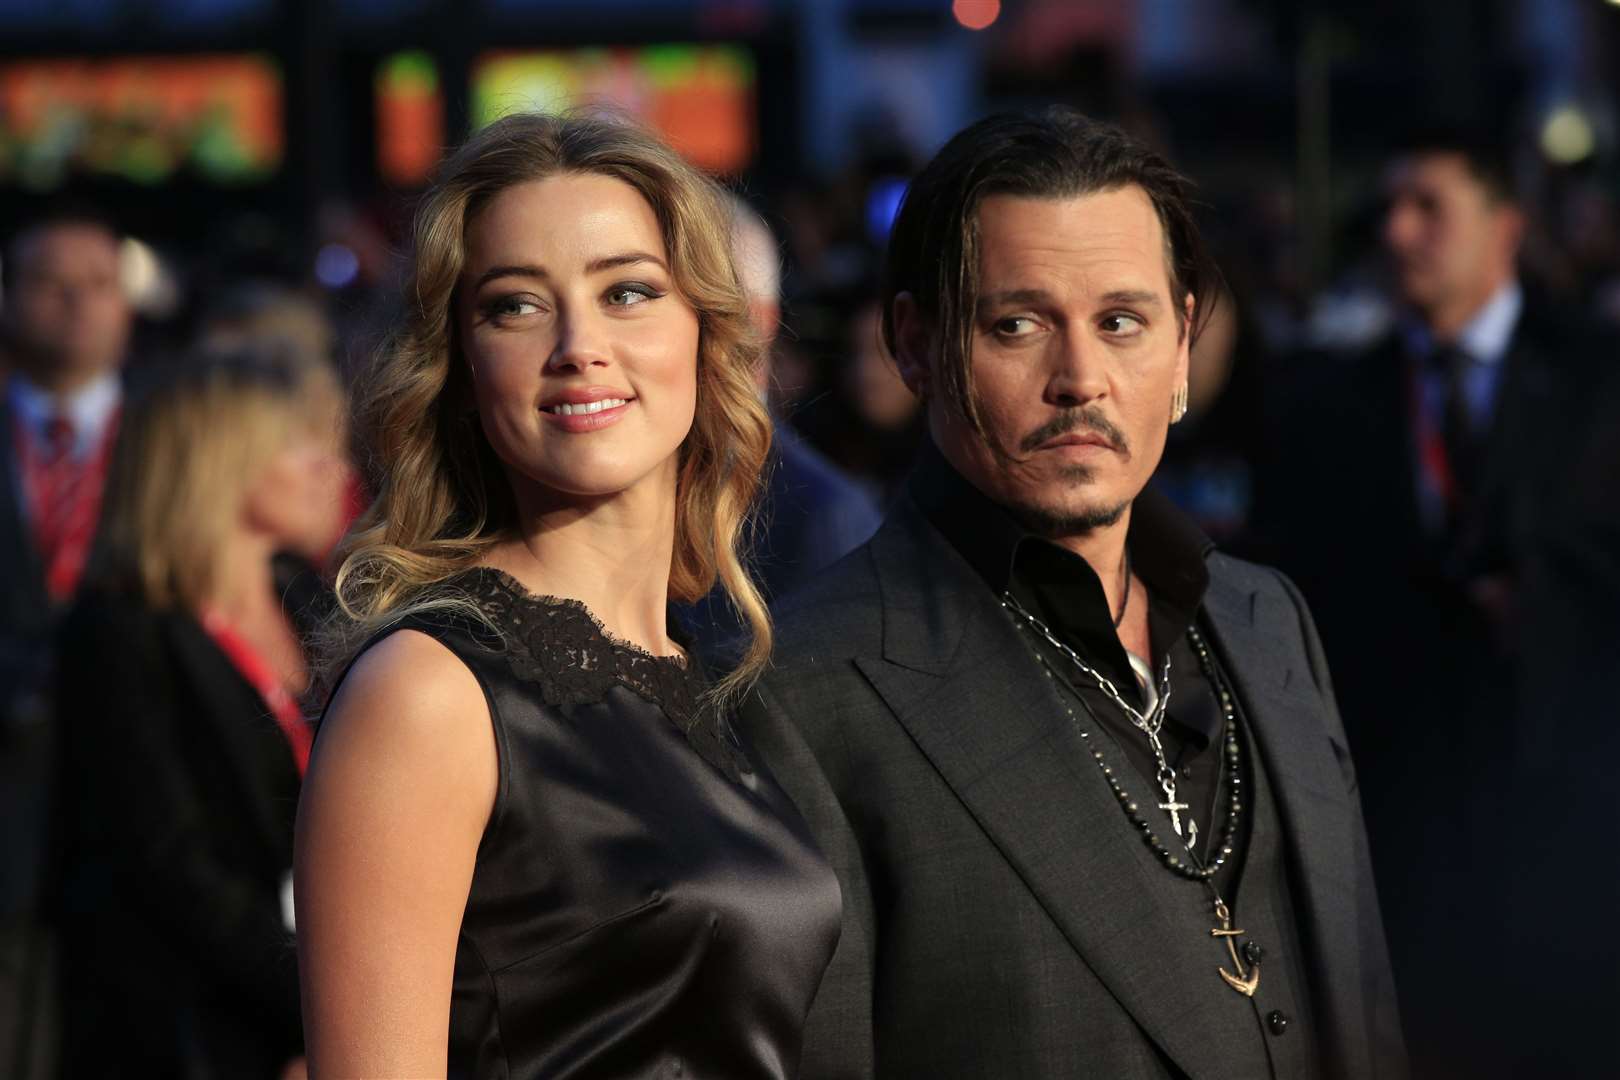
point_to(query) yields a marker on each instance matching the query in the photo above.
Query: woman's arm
(400, 788)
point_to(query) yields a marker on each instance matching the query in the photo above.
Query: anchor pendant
(1246, 981)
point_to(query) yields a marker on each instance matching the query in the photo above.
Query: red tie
(56, 487)
(65, 499)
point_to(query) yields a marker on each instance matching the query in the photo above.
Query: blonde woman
(530, 844)
(179, 669)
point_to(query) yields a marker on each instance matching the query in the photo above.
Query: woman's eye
(512, 306)
(1121, 324)
(628, 295)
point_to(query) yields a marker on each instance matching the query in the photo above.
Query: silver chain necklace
(1244, 978)
(1149, 723)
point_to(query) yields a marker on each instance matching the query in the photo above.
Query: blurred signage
(143, 119)
(701, 98)
(410, 118)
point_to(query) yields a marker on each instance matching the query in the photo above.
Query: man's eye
(1120, 324)
(629, 295)
(1015, 326)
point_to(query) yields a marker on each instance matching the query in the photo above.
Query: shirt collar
(1167, 552)
(1486, 336)
(89, 408)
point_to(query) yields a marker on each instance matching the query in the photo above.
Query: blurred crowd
(1425, 440)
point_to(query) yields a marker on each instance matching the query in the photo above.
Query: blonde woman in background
(179, 669)
(530, 844)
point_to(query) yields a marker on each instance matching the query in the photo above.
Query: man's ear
(1184, 358)
(1510, 225)
(911, 345)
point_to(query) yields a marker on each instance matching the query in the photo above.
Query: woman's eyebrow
(595, 266)
(624, 258)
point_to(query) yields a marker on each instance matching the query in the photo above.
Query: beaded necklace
(1247, 978)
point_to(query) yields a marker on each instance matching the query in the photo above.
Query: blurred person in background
(531, 843)
(811, 514)
(256, 312)
(66, 323)
(1210, 457)
(180, 669)
(260, 311)
(1558, 901)
(868, 422)
(1415, 485)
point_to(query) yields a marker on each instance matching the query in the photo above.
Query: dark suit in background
(1560, 899)
(811, 516)
(1434, 629)
(1002, 918)
(179, 795)
(26, 619)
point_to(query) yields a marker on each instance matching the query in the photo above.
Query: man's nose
(1078, 373)
(1400, 226)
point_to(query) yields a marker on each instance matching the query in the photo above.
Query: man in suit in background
(67, 322)
(1417, 488)
(1082, 776)
(811, 514)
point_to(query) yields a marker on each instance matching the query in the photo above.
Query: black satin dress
(646, 901)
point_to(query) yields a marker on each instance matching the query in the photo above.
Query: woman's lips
(586, 416)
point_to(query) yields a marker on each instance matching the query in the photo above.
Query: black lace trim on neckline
(557, 644)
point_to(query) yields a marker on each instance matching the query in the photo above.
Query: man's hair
(58, 215)
(1485, 158)
(754, 249)
(1051, 154)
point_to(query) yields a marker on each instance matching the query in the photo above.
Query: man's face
(1450, 242)
(1078, 347)
(67, 309)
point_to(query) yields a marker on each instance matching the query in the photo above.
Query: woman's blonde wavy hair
(442, 498)
(191, 441)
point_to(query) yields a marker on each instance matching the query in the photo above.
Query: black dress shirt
(1062, 590)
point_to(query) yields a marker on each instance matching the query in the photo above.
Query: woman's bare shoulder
(410, 703)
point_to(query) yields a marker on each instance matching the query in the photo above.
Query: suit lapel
(1522, 445)
(966, 686)
(245, 732)
(1284, 713)
(26, 601)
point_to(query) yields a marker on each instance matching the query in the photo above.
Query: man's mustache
(1088, 418)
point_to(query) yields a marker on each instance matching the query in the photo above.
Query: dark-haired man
(1422, 493)
(66, 322)
(1082, 776)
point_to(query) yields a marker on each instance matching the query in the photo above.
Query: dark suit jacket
(1000, 919)
(1427, 681)
(179, 794)
(812, 515)
(26, 620)
(1341, 508)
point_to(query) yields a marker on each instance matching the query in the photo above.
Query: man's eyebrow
(1013, 296)
(1139, 297)
(595, 266)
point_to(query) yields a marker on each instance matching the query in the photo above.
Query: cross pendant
(1175, 809)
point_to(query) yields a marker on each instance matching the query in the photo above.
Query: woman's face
(583, 355)
(301, 498)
